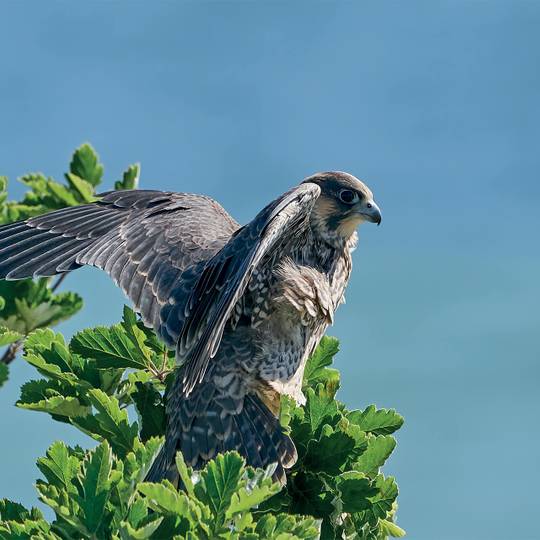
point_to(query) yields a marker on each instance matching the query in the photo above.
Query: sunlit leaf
(85, 164)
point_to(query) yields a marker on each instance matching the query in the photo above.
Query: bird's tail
(207, 422)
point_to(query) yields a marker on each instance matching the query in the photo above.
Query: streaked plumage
(243, 306)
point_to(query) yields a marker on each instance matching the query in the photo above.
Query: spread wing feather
(223, 279)
(144, 239)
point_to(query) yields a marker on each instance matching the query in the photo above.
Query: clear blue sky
(435, 104)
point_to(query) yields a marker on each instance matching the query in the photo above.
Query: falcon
(243, 306)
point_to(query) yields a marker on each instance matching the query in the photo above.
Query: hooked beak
(370, 212)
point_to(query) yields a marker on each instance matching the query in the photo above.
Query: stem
(59, 281)
(11, 352)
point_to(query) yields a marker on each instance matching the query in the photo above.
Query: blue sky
(434, 104)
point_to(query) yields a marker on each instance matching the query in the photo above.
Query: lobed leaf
(85, 165)
(110, 347)
(110, 423)
(376, 454)
(376, 421)
(130, 178)
(95, 486)
(8, 336)
(218, 482)
(317, 370)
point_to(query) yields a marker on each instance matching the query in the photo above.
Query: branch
(59, 281)
(11, 352)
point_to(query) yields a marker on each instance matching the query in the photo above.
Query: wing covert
(223, 278)
(143, 239)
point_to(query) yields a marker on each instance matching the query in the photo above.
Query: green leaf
(219, 480)
(320, 408)
(164, 498)
(48, 353)
(286, 409)
(330, 452)
(130, 178)
(8, 336)
(138, 462)
(287, 527)
(95, 486)
(376, 454)
(45, 195)
(376, 421)
(255, 489)
(355, 489)
(151, 409)
(185, 473)
(85, 164)
(13, 511)
(382, 502)
(310, 495)
(59, 467)
(83, 190)
(317, 371)
(391, 529)
(110, 347)
(32, 304)
(136, 335)
(4, 374)
(110, 423)
(69, 407)
(128, 532)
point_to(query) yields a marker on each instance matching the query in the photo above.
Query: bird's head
(345, 202)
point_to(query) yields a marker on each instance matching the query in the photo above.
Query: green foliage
(338, 475)
(109, 383)
(28, 305)
(336, 489)
(32, 304)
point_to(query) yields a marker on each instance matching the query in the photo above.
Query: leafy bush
(335, 490)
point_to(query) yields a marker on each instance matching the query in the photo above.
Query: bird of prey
(244, 306)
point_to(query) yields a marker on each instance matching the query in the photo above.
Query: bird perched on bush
(244, 307)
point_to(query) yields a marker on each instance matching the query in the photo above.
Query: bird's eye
(348, 197)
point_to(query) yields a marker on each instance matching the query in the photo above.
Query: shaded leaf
(4, 374)
(330, 452)
(151, 409)
(355, 489)
(310, 496)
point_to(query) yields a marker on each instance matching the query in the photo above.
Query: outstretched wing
(143, 239)
(202, 317)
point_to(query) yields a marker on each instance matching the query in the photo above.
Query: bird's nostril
(369, 205)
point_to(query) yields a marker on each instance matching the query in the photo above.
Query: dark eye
(348, 197)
